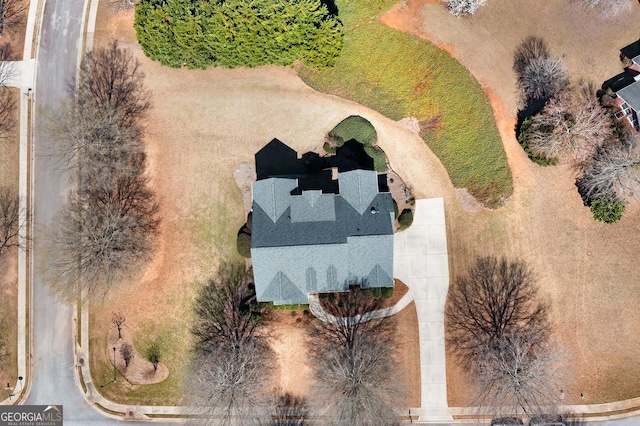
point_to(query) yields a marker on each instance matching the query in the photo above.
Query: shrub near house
(238, 33)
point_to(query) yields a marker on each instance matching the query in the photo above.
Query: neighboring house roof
(631, 95)
(308, 241)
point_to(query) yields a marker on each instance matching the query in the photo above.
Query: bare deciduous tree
(113, 79)
(123, 4)
(569, 128)
(356, 383)
(233, 363)
(105, 231)
(461, 8)
(93, 248)
(614, 174)
(520, 375)
(609, 8)
(84, 127)
(11, 14)
(118, 319)
(8, 104)
(291, 410)
(543, 78)
(12, 220)
(496, 298)
(222, 310)
(126, 350)
(231, 385)
(529, 49)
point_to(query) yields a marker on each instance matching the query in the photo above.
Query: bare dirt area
(587, 269)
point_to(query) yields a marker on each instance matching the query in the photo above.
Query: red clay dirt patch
(287, 337)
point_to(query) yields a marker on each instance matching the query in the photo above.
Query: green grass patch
(213, 226)
(401, 76)
(356, 12)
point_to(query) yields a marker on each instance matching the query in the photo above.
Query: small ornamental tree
(126, 350)
(461, 8)
(153, 355)
(118, 319)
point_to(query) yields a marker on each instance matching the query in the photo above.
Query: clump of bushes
(355, 127)
(523, 138)
(360, 129)
(238, 33)
(607, 211)
(405, 219)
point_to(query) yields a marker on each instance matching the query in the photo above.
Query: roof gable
(358, 188)
(631, 95)
(273, 195)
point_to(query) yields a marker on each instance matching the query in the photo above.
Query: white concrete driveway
(420, 261)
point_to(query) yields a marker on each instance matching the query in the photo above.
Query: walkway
(420, 261)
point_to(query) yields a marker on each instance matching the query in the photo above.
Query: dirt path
(586, 268)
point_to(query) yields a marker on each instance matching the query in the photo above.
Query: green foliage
(379, 157)
(386, 292)
(153, 354)
(405, 219)
(607, 211)
(238, 33)
(244, 243)
(523, 139)
(402, 76)
(356, 12)
(360, 129)
(355, 127)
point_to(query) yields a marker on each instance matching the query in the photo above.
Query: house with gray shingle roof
(311, 237)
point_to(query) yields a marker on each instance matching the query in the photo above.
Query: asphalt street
(53, 379)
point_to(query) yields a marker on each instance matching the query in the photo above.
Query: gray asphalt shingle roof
(318, 242)
(631, 95)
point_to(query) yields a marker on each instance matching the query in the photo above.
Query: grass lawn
(402, 76)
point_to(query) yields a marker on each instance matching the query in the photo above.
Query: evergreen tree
(238, 33)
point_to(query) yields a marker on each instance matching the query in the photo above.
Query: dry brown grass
(588, 269)
(9, 174)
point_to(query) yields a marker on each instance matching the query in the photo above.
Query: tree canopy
(238, 33)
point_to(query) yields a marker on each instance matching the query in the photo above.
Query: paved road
(53, 380)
